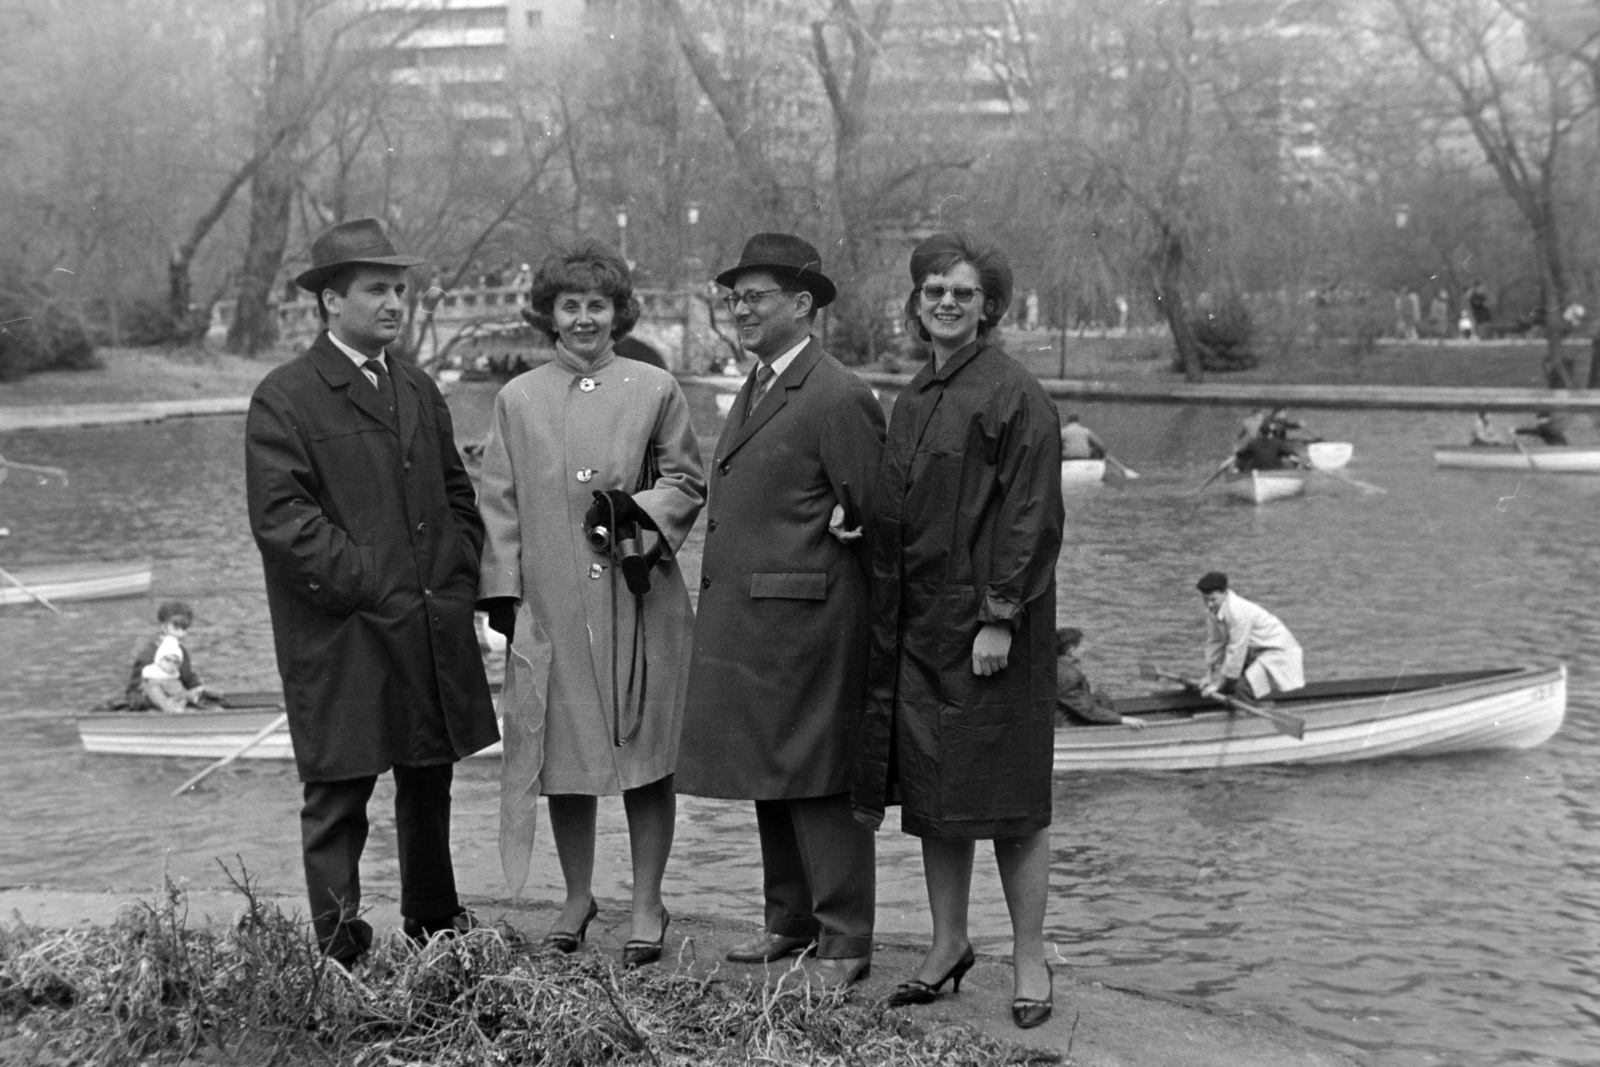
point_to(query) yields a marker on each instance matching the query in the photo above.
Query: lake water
(1425, 912)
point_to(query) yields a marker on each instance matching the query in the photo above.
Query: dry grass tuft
(149, 990)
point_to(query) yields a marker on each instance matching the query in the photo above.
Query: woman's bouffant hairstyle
(939, 254)
(584, 266)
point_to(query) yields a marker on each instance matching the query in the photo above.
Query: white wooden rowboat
(1547, 459)
(77, 581)
(1329, 455)
(1353, 719)
(1263, 487)
(209, 734)
(1082, 473)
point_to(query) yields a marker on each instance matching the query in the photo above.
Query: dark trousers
(818, 873)
(333, 831)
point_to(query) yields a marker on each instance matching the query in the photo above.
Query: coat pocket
(789, 585)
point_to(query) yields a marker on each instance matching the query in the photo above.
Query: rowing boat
(1263, 487)
(209, 733)
(1552, 459)
(1082, 473)
(1346, 720)
(77, 581)
(1351, 719)
(1329, 455)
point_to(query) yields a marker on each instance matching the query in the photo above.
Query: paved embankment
(53, 416)
(1099, 1026)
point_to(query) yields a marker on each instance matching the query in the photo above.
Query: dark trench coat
(965, 530)
(369, 537)
(780, 642)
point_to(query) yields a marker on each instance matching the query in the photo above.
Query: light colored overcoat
(560, 433)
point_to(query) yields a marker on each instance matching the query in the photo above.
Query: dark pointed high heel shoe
(561, 941)
(916, 992)
(1030, 1013)
(637, 953)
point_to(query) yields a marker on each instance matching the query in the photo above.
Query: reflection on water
(1432, 912)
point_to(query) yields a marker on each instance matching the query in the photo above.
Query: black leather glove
(624, 508)
(502, 612)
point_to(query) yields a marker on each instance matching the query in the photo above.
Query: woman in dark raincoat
(964, 534)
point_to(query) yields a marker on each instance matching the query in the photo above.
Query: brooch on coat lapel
(588, 385)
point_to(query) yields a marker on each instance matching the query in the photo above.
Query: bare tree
(1522, 106)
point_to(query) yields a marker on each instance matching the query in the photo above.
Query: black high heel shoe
(561, 941)
(637, 953)
(1030, 1013)
(918, 992)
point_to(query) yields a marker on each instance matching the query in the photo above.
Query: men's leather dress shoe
(831, 974)
(422, 930)
(769, 947)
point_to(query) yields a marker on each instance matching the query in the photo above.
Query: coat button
(428, 593)
(422, 527)
(586, 384)
(705, 583)
(315, 586)
(722, 468)
(407, 464)
(585, 474)
(596, 570)
(711, 524)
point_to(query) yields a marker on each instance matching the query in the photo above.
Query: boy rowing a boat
(1080, 442)
(1245, 641)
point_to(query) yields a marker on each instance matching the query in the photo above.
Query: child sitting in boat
(1484, 432)
(161, 681)
(1077, 704)
(174, 618)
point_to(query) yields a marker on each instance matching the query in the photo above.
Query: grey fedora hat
(347, 244)
(785, 256)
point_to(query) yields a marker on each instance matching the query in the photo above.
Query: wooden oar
(1215, 475)
(34, 469)
(1365, 487)
(1127, 471)
(1285, 723)
(14, 580)
(266, 731)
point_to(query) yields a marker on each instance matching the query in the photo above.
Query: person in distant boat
(174, 618)
(1264, 453)
(1077, 704)
(1278, 424)
(1080, 442)
(1250, 426)
(1546, 427)
(1484, 431)
(163, 685)
(1246, 643)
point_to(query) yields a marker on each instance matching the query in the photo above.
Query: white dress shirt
(361, 360)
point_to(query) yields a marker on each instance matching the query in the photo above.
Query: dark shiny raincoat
(369, 537)
(965, 530)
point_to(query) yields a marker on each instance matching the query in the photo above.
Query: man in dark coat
(369, 537)
(779, 668)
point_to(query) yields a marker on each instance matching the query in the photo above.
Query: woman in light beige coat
(595, 672)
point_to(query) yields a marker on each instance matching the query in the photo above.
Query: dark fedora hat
(348, 244)
(785, 256)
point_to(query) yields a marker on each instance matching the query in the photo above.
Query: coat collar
(952, 366)
(340, 372)
(793, 376)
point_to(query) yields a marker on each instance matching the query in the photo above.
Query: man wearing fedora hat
(369, 536)
(779, 667)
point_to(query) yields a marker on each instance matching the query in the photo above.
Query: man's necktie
(764, 376)
(385, 383)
